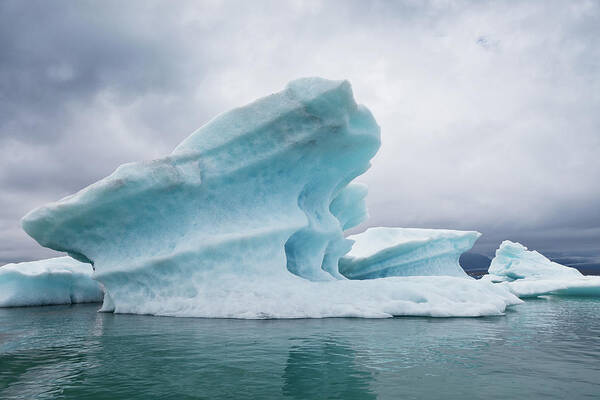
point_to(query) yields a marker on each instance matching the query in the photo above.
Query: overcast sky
(490, 111)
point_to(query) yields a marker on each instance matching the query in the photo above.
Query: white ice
(528, 273)
(60, 280)
(380, 252)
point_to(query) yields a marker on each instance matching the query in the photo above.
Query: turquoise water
(541, 349)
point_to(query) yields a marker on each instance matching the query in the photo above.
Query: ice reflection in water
(325, 366)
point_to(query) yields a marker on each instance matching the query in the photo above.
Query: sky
(489, 110)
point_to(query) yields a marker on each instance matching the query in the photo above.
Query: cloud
(488, 109)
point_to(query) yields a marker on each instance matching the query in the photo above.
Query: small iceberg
(527, 273)
(60, 280)
(381, 252)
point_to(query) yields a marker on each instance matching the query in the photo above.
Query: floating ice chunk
(585, 286)
(59, 280)
(529, 274)
(245, 219)
(514, 261)
(380, 252)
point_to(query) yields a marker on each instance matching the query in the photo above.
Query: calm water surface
(541, 349)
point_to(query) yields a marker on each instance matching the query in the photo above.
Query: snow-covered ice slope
(60, 280)
(245, 219)
(529, 274)
(381, 252)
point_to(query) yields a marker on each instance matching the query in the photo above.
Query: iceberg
(60, 280)
(246, 219)
(381, 252)
(528, 273)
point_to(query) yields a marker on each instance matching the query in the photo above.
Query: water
(541, 349)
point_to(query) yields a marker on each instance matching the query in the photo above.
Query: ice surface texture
(381, 252)
(529, 274)
(59, 280)
(245, 219)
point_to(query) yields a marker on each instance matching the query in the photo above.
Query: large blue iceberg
(381, 252)
(245, 219)
(60, 280)
(528, 273)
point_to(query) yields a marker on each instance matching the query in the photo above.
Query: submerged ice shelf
(60, 280)
(381, 252)
(529, 274)
(245, 219)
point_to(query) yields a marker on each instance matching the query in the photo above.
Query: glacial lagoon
(545, 348)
